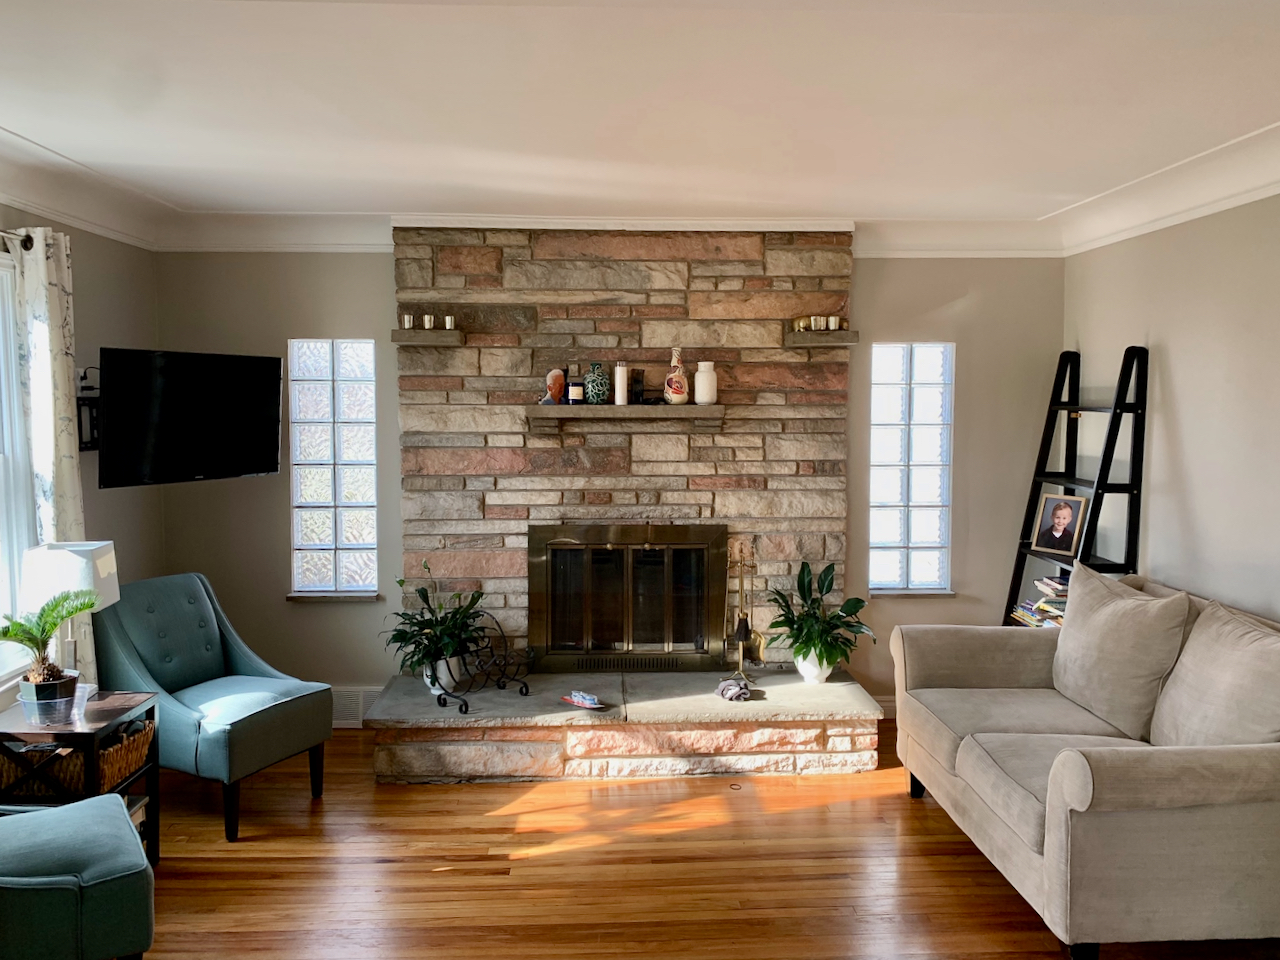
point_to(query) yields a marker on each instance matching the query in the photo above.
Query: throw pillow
(1116, 647)
(1223, 689)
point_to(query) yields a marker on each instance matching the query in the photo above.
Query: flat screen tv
(168, 417)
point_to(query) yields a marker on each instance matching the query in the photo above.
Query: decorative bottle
(706, 386)
(676, 390)
(597, 384)
(620, 374)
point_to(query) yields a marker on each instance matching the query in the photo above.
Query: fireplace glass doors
(627, 597)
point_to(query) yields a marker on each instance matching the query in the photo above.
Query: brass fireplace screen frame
(714, 538)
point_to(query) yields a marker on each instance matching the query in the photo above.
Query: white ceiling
(180, 113)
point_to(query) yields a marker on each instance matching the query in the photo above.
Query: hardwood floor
(741, 869)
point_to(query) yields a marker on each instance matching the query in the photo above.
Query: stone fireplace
(484, 471)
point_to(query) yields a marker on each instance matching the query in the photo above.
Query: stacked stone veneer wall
(474, 477)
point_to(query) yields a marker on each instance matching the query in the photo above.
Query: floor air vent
(647, 664)
(350, 704)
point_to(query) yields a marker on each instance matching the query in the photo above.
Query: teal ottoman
(74, 884)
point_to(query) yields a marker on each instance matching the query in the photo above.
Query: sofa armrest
(1163, 843)
(929, 655)
(1161, 778)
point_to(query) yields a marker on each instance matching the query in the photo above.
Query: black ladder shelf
(1130, 400)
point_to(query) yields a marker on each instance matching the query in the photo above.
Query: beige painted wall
(1204, 296)
(115, 306)
(236, 531)
(1005, 317)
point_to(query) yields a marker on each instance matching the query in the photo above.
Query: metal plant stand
(494, 661)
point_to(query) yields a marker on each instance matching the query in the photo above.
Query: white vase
(706, 386)
(811, 670)
(446, 681)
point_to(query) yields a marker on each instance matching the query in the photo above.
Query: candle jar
(406, 321)
(448, 323)
(428, 322)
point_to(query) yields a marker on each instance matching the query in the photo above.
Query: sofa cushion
(939, 718)
(1010, 772)
(1116, 647)
(1223, 688)
(224, 701)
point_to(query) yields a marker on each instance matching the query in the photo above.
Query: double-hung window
(333, 455)
(17, 494)
(911, 404)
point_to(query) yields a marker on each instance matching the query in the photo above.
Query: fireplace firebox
(627, 597)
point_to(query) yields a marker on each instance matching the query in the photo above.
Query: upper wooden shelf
(549, 418)
(820, 338)
(428, 338)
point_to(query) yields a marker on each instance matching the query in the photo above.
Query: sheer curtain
(43, 333)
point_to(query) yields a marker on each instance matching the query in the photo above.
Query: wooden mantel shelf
(820, 338)
(550, 418)
(427, 338)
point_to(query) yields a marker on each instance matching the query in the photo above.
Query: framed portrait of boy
(1058, 524)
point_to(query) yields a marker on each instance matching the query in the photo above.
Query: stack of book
(1049, 609)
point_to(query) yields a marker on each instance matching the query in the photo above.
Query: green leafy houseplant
(35, 630)
(813, 630)
(437, 632)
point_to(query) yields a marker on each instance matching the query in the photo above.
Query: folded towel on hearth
(734, 690)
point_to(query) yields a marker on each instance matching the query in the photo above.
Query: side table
(103, 713)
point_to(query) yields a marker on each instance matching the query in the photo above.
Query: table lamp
(53, 568)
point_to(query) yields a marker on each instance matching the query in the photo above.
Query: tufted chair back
(171, 624)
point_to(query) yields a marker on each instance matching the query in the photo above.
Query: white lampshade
(51, 568)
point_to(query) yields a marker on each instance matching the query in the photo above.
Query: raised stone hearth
(656, 725)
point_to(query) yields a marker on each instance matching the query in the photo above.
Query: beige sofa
(1123, 772)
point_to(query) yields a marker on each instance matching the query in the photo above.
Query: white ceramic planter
(447, 680)
(811, 670)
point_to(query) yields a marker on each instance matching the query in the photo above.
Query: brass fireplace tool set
(750, 642)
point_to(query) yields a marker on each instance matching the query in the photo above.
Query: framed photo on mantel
(1058, 524)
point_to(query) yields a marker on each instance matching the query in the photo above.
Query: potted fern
(46, 690)
(435, 638)
(819, 638)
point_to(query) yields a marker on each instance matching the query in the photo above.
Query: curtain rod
(26, 240)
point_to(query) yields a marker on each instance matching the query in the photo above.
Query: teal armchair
(74, 883)
(224, 712)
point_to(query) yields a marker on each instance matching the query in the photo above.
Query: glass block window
(333, 459)
(911, 402)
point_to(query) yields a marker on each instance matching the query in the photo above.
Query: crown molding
(56, 188)
(1242, 171)
(723, 224)
(52, 187)
(278, 233)
(952, 239)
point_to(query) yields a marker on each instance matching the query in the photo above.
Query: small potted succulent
(46, 690)
(819, 638)
(435, 638)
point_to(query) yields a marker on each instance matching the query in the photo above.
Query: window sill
(334, 597)
(912, 593)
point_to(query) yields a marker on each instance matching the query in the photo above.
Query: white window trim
(19, 506)
(905, 589)
(336, 594)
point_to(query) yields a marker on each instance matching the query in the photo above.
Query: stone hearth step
(655, 725)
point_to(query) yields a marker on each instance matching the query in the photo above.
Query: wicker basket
(115, 763)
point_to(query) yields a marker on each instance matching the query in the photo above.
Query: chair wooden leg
(1083, 951)
(316, 757)
(914, 786)
(231, 810)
